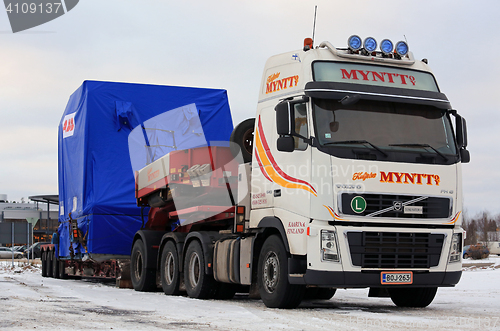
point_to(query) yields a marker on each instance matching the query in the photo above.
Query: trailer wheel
(44, 263)
(49, 256)
(143, 279)
(417, 297)
(274, 288)
(242, 136)
(55, 265)
(319, 293)
(62, 270)
(170, 274)
(198, 284)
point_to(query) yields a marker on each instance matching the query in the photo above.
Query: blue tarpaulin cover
(96, 169)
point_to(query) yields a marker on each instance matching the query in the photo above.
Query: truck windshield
(384, 126)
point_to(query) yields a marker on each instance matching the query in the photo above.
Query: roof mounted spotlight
(401, 48)
(370, 44)
(354, 43)
(386, 46)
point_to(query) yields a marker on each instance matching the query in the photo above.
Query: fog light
(456, 248)
(329, 251)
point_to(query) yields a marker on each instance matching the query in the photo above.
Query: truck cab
(349, 176)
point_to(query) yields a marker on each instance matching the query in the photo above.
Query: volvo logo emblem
(397, 205)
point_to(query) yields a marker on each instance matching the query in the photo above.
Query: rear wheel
(55, 265)
(170, 274)
(274, 288)
(50, 260)
(418, 297)
(198, 284)
(44, 264)
(62, 270)
(143, 278)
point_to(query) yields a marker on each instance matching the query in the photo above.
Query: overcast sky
(224, 44)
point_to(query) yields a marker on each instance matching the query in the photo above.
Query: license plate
(395, 277)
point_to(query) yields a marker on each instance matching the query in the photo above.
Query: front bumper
(372, 279)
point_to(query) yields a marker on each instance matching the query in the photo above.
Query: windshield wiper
(421, 145)
(357, 142)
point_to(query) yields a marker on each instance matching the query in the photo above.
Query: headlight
(456, 248)
(329, 251)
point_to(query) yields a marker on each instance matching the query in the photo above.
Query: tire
(242, 137)
(417, 297)
(62, 270)
(55, 265)
(170, 273)
(319, 293)
(143, 279)
(50, 260)
(198, 284)
(44, 264)
(274, 288)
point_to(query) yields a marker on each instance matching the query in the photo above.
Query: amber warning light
(308, 43)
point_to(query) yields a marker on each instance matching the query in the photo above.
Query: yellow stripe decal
(271, 172)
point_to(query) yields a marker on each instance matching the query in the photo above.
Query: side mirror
(461, 127)
(285, 121)
(464, 156)
(285, 144)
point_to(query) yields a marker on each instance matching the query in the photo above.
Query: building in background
(40, 210)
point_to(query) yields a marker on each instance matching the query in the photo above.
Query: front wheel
(170, 275)
(143, 278)
(274, 288)
(417, 297)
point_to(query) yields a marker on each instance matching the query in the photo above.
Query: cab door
(281, 179)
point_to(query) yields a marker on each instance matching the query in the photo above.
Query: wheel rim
(271, 272)
(169, 268)
(194, 270)
(138, 265)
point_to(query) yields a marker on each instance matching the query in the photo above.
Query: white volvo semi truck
(350, 178)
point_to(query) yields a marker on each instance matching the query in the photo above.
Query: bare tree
(470, 228)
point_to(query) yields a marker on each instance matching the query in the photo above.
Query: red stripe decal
(262, 167)
(275, 165)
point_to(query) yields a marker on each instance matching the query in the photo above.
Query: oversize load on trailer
(96, 179)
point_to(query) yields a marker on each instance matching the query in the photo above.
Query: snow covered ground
(28, 301)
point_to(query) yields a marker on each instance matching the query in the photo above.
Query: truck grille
(431, 207)
(387, 250)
